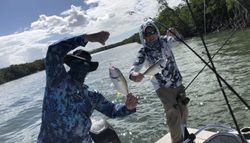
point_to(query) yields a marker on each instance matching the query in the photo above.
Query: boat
(102, 132)
(202, 135)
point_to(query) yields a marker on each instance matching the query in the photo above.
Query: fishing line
(204, 19)
(228, 85)
(214, 68)
(226, 41)
(229, 37)
(216, 75)
(180, 39)
(219, 78)
(223, 80)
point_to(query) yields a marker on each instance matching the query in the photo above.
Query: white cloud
(120, 17)
(69, 19)
(105, 15)
(114, 16)
(15, 48)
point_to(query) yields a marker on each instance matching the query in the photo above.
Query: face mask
(79, 70)
(154, 44)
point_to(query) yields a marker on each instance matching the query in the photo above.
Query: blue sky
(27, 27)
(19, 14)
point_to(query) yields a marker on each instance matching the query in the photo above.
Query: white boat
(226, 135)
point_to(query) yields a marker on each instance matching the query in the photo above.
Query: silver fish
(155, 68)
(118, 80)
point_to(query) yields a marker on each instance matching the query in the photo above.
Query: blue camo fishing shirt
(170, 75)
(68, 105)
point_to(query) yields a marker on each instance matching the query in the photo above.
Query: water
(21, 100)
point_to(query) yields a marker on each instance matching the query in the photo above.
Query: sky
(27, 27)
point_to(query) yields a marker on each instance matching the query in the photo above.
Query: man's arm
(56, 52)
(54, 58)
(115, 110)
(134, 73)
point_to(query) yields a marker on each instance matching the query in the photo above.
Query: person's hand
(131, 101)
(172, 32)
(136, 76)
(100, 37)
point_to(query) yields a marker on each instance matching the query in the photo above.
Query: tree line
(211, 15)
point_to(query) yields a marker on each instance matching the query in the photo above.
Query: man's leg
(183, 106)
(172, 111)
(184, 111)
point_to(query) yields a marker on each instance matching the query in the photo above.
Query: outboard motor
(102, 132)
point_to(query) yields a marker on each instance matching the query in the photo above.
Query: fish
(118, 80)
(154, 69)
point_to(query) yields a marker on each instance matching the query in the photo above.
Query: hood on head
(142, 29)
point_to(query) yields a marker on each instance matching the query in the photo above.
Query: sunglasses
(79, 63)
(149, 32)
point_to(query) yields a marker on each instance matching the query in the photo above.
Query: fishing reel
(182, 99)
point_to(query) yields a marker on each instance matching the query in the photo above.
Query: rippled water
(21, 100)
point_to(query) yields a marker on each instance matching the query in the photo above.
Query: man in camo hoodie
(168, 82)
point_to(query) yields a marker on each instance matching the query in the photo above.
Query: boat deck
(200, 138)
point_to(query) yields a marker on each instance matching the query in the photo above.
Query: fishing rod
(229, 37)
(224, 81)
(217, 75)
(206, 64)
(219, 78)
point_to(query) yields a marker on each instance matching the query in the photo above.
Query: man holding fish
(166, 77)
(68, 103)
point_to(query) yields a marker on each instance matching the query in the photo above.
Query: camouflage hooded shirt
(170, 75)
(67, 104)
